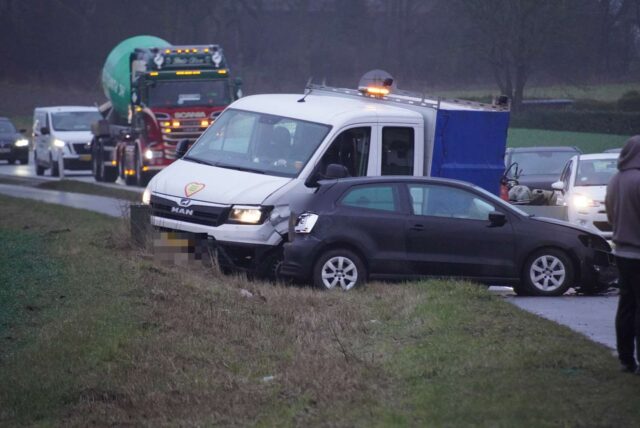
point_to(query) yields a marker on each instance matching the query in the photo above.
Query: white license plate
(85, 157)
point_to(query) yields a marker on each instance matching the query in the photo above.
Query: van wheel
(339, 268)
(547, 272)
(39, 169)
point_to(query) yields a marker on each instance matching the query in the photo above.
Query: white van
(236, 183)
(62, 138)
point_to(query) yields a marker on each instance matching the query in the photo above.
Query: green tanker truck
(158, 95)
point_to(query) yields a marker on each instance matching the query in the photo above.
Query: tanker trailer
(158, 94)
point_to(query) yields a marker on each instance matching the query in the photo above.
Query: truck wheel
(142, 177)
(547, 272)
(339, 268)
(130, 180)
(55, 168)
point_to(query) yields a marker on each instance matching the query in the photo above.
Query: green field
(587, 142)
(96, 332)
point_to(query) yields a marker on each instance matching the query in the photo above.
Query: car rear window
(379, 197)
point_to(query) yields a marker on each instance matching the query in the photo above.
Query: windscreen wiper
(196, 160)
(239, 168)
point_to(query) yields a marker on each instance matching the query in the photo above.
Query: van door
(400, 150)
(353, 148)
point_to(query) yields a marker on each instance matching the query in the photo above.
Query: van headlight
(146, 196)
(58, 143)
(305, 222)
(241, 214)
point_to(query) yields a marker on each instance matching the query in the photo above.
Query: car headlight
(305, 222)
(23, 142)
(247, 214)
(582, 202)
(58, 143)
(146, 196)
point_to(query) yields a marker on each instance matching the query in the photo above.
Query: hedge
(602, 122)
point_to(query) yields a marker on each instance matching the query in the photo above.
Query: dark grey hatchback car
(354, 229)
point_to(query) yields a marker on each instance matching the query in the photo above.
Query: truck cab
(237, 181)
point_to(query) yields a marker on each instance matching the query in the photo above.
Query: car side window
(566, 175)
(397, 150)
(449, 202)
(376, 197)
(351, 149)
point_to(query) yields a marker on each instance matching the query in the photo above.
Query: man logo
(185, 202)
(178, 210)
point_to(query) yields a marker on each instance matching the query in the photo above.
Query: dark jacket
(623, 201)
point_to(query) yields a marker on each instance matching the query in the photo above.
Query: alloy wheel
(547, 273)
(339, 271)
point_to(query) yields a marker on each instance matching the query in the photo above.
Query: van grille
(194, 213)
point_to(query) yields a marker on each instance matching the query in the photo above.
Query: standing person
(623, 210)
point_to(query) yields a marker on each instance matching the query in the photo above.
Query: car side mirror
(44, 130)
(181, 148)
(22, 130)
(497, 219)
(558, 185)
(336, 171)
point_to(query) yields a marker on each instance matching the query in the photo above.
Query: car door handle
(417, 227)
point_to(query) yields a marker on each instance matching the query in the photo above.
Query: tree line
(276, 45)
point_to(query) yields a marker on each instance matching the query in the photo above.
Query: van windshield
(74, 120)
(258, 142)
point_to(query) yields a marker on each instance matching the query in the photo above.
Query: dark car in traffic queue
(354, 229)
(537, 167)
(13, 145)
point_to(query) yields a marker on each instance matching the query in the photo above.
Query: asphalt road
(590, 316)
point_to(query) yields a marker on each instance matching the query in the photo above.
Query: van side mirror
(181, 148)
(497, 219)
(336, 171)
(558, 185)
(44, 130)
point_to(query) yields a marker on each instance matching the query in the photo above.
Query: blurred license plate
(3, 150)
(85, 157)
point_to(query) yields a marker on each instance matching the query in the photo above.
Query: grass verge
(96, 332)
(75, 186)
(587, 142)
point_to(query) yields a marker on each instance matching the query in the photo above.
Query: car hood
(562, 223)
(74, 136)
(215, 184)
(597, 193)
(538, 181)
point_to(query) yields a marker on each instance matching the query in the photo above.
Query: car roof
(322, 108)
(61, 109)
(543, 149)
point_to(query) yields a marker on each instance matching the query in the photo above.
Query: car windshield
(185, 93)
(595, 172)
(74, 120)
(258, 142)
(6, 127)
(546, 162)
(499, 201)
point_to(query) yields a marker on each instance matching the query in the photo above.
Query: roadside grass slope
(98, 333)
(587, 142)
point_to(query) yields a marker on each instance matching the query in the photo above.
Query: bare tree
(512, 35)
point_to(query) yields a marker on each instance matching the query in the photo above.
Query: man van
(236, 182)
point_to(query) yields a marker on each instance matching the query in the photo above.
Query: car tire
(24, 161)
(339, 268)
(11, 161)
(547, 272)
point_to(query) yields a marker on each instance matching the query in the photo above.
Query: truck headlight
(146, 196)
(58, 143)
(247, 214)
(305, 222)
(23, 142)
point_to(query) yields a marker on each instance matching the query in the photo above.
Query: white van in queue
(236, 182)
(62, 138)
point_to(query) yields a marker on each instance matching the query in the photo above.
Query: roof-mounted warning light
(376, 83)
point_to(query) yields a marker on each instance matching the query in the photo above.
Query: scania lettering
(158, 95)
(264, 151)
